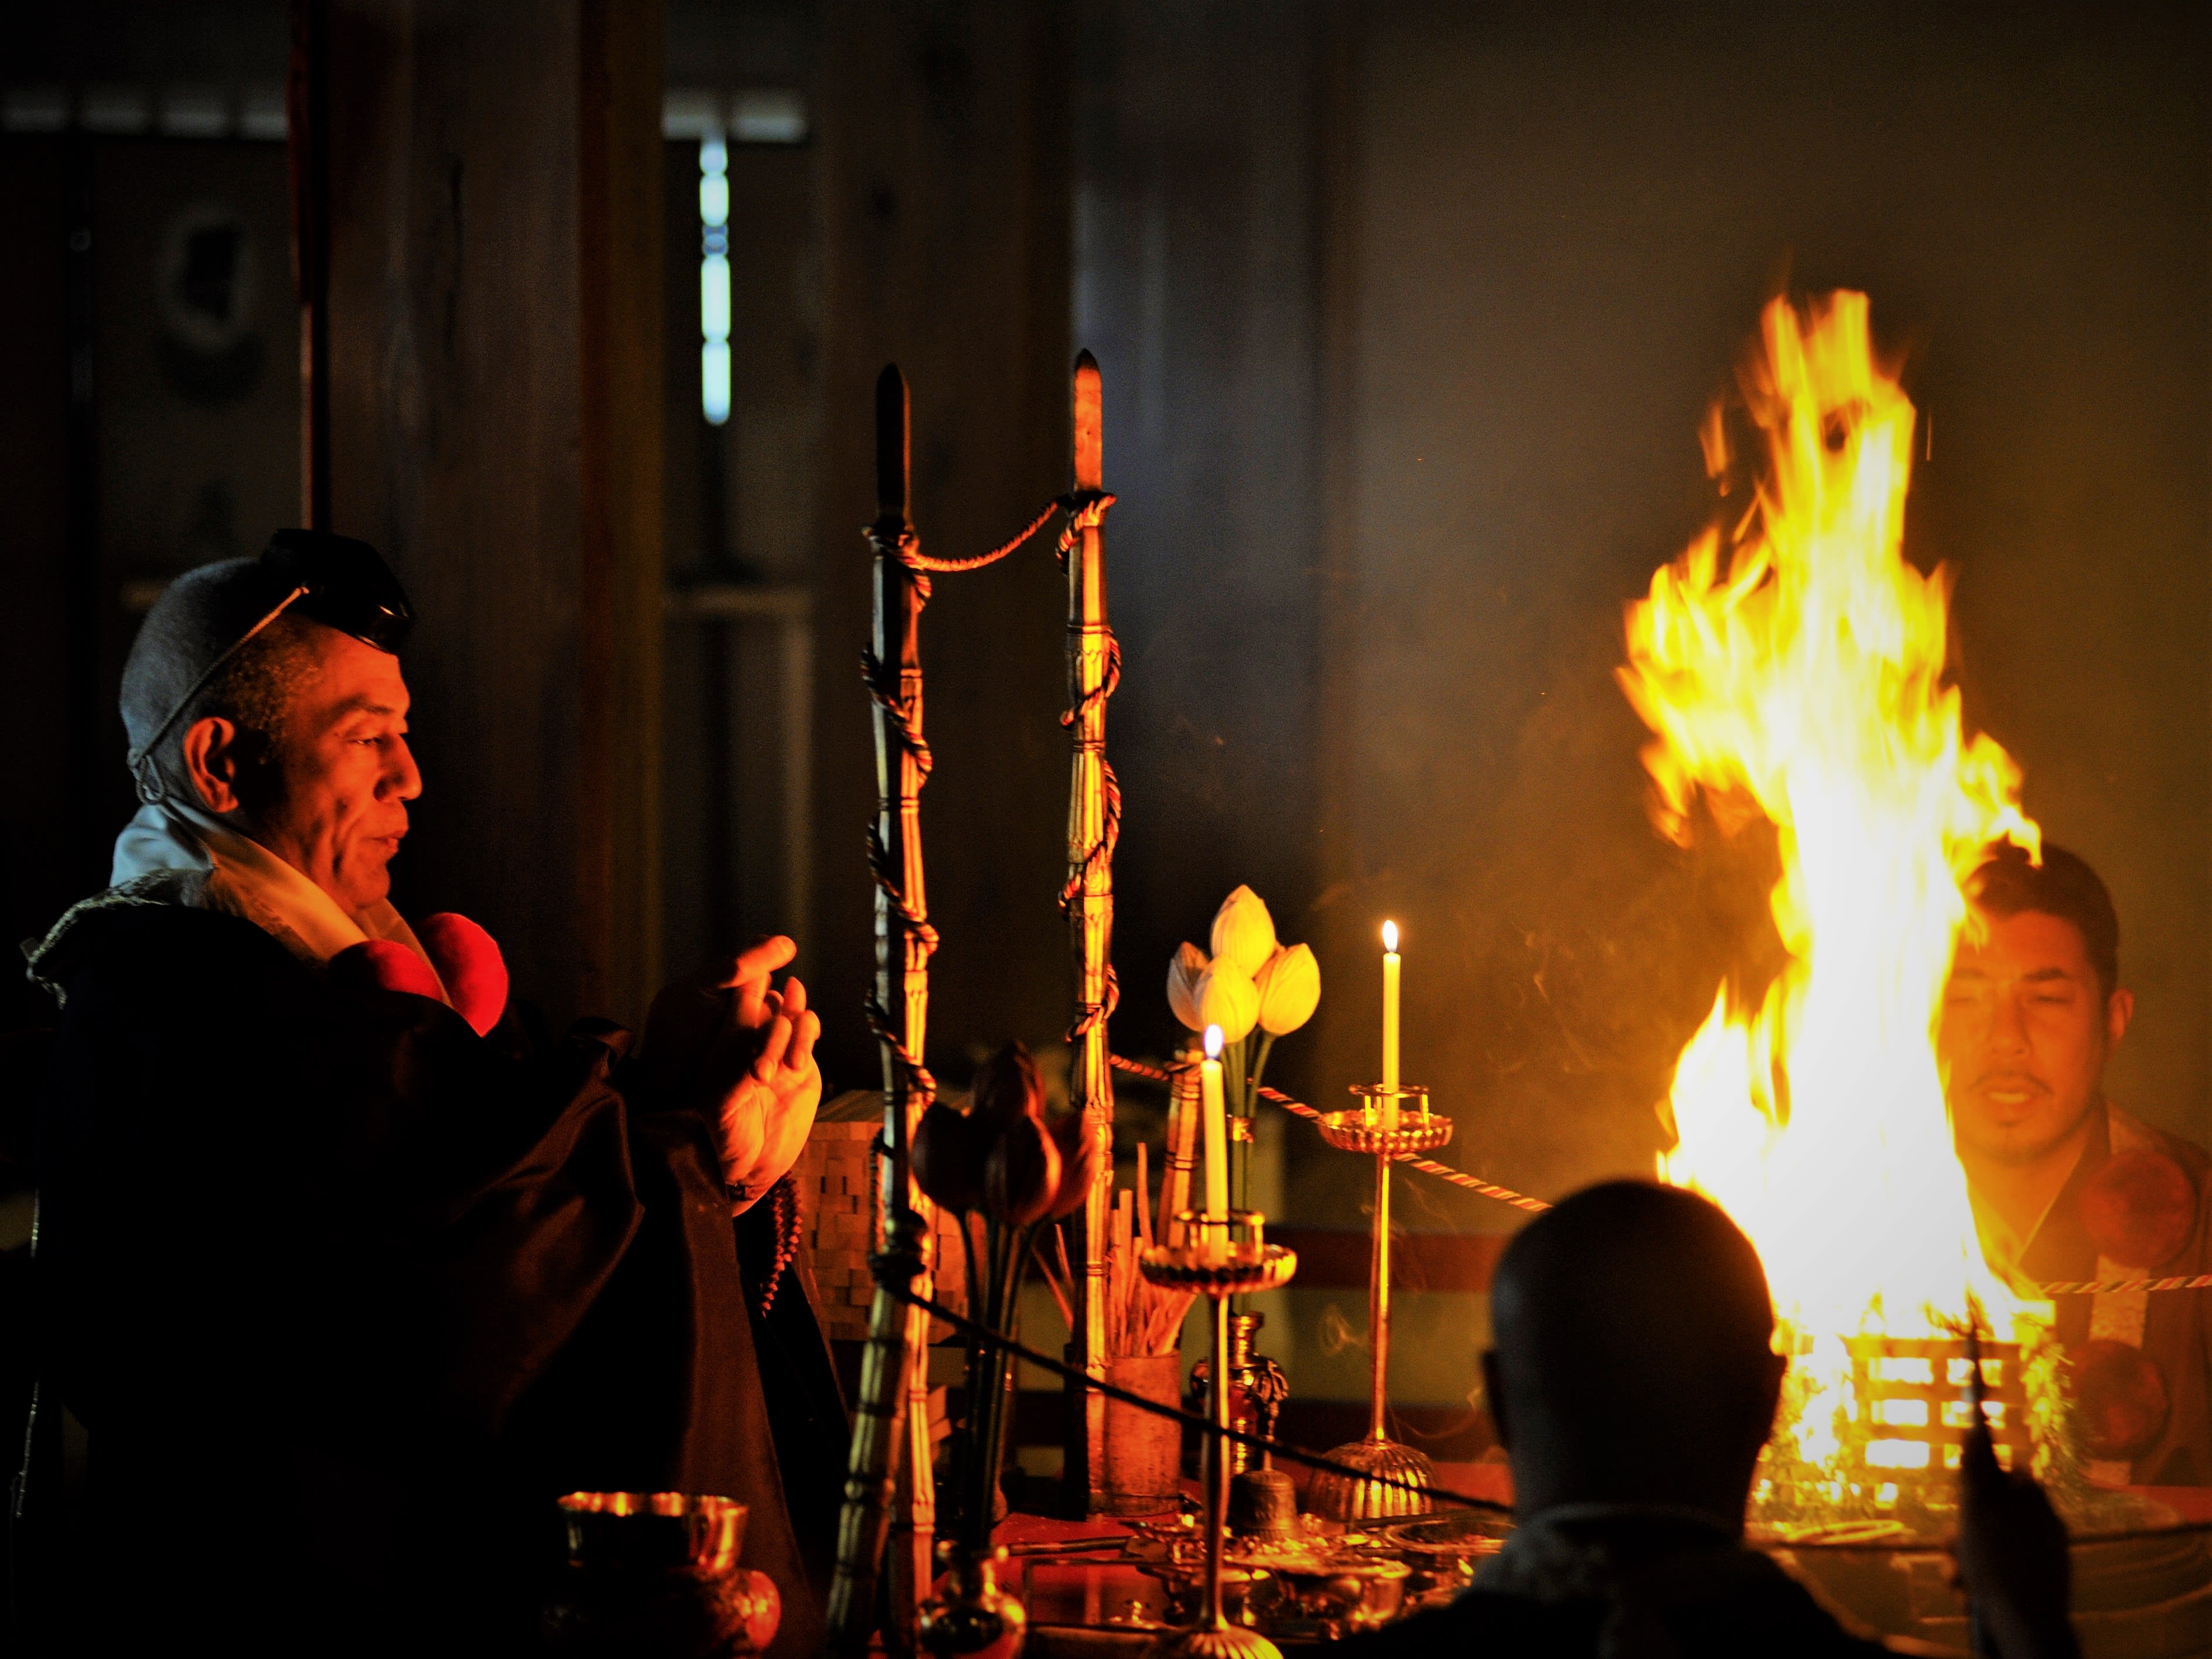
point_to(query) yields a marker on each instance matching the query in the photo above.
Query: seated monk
(1633, 1382)
(344, 1277)
(2066, 1187)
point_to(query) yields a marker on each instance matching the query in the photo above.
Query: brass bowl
(1359, 1128)
(1245, 1269)
(653, 1529)
(655, 1576)
(1355, 1500)
(1213, 1261)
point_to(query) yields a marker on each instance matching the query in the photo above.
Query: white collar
(246, 880)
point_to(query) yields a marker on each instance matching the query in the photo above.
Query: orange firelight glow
(1793, 666)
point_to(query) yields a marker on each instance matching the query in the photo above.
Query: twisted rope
(885, 692)
(1427, 1166)
(1087, 511)
(2111, 1286)
(1537, 1205)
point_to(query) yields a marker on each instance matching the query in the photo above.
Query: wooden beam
(495, 302)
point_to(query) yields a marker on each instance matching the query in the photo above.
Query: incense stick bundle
(1141, 1319)
(1144, 1199)
(1182, 1148)
(1150, 1319)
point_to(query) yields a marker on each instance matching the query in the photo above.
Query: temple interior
(1406, 318)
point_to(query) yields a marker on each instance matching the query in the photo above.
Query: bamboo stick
(1175, 1197)
(1093, 821)
(1144, 1199)
(891, 1439)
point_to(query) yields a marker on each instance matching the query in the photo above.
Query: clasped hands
(744, 1053)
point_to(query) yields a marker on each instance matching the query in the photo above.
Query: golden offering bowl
(654, 1575)
(1359, 1129)
(1221, 1642)
(1213, 1261)
(1354, 1499)
(653, 1529)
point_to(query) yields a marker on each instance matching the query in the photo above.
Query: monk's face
(332, 799)
(2025, 1035)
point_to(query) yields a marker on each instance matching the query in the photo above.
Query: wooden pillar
(494, 305)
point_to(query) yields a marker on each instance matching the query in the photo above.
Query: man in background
(2067, 1187)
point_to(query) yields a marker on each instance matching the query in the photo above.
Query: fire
(1796, 667)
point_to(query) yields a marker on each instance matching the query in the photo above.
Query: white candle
(1216, 1140)
(1390, 1024)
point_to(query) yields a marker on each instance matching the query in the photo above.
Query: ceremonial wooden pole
(1094, 813)
(890, 1438)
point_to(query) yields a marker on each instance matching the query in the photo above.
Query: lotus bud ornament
(1244, 935)
(1228, 998)
(1289, 989)
(1186, 968)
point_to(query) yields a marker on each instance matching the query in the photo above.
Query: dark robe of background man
(2067, 1187)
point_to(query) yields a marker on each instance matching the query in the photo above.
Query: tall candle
(1390, 1024)
(1217, 1138)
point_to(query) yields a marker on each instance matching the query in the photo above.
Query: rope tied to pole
(1086, 510)
(890, 695)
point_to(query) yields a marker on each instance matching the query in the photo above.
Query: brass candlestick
(1212, 1262)
(1365, 1129)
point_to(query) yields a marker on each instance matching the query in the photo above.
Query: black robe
(2173, 1446)
(345, 1295)
(1630, 1587)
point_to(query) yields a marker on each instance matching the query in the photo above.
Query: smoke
(1338, 1335)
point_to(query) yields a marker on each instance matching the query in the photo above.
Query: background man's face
(335, 805)
(2024, 1037)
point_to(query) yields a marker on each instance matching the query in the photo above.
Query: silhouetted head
(1634, 1360)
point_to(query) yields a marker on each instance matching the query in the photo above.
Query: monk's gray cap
(204, 616)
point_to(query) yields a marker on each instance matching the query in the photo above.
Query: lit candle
(1216, 1140)
(1390, 1024)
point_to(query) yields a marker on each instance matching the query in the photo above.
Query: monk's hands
(2012, 1553)
(745, 1052)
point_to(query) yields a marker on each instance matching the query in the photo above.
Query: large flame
(1797, 669)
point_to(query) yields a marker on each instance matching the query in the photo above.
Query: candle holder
(1212, 1262)
(1368, 1128)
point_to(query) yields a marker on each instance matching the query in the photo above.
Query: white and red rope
(1429, 1166)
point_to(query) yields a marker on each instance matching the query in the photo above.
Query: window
(714, 279)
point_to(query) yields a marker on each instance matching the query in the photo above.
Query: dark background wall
(1198, 248)
(497, 376)
(1565, 219)
(944, 214)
